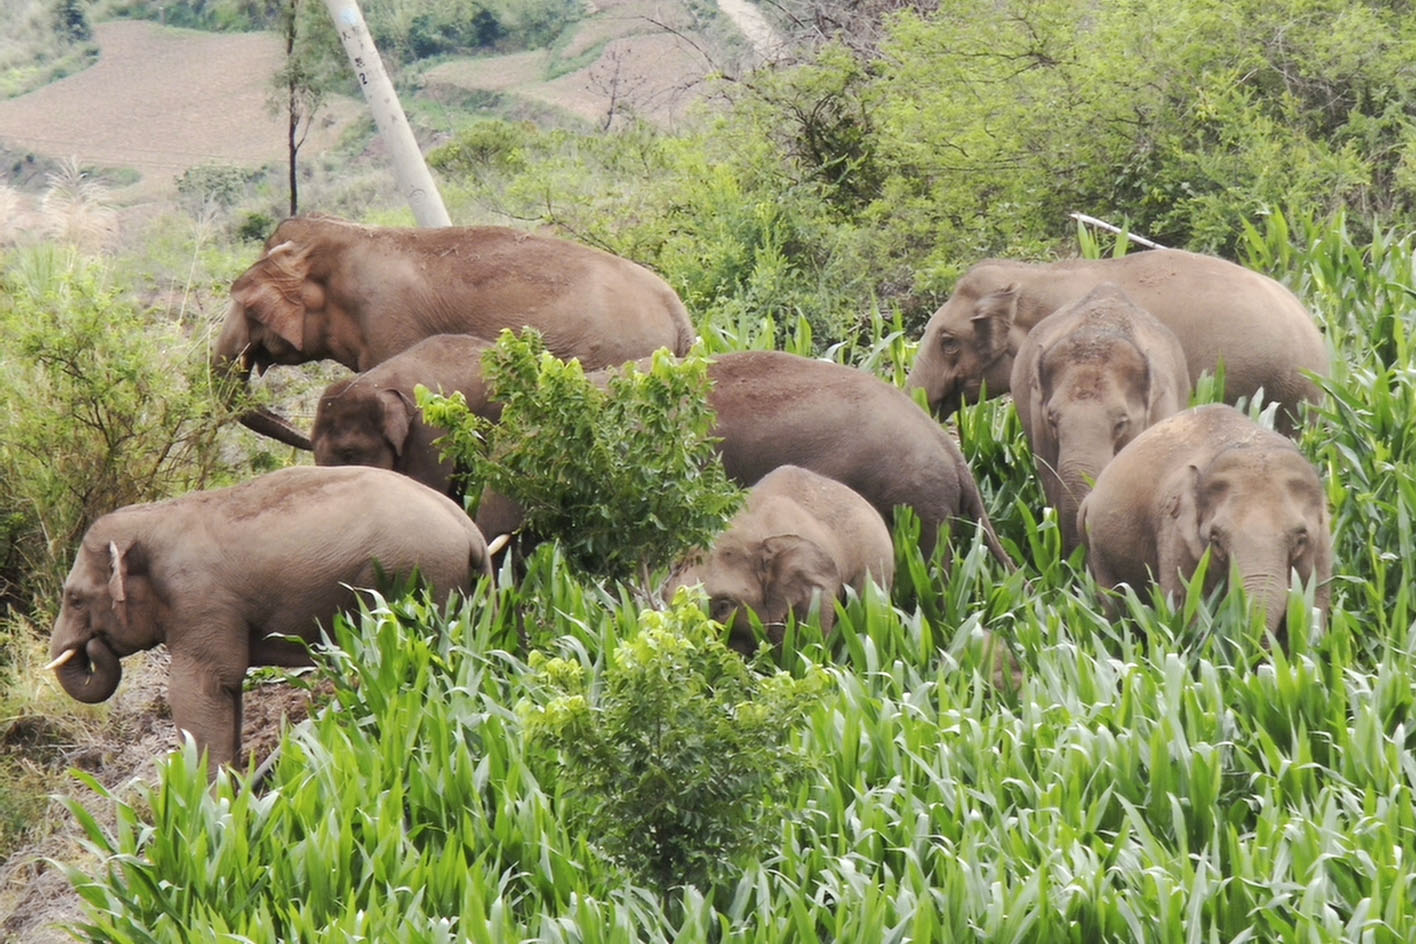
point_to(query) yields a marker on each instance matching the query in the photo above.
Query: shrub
(674, 763)
(625, 476)
(104, 407)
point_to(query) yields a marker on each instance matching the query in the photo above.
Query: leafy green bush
(104, 407)
(625, 476)
(675, 761)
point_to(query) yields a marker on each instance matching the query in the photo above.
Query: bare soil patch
(161, 101)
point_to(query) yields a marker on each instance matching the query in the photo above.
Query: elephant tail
(971, 507)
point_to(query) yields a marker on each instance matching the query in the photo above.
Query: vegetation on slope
(1166, 775)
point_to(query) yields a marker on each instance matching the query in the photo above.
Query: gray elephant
(373, 419)
(221, 576)
(800, 541)
(1221, 312)
(1210, 478)
(774, 409)
(326, 288)
(1086, 381)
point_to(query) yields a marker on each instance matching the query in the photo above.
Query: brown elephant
(1210, 478)
(775, 408)
(221, 576)
(800, 541)
(1221, 313)
(1086, 381)
(778, 409)
(327, 288)
(373, 419)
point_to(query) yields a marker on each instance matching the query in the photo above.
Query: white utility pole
(414, 179)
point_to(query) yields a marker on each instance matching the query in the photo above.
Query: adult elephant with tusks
(327, 288)
(1222, 314)
(223, 577)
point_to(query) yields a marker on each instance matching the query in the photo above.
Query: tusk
(63, 657)
(497, 543)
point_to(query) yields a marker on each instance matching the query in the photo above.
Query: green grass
(1164, 775)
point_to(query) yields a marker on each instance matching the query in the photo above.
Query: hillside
(162, 100)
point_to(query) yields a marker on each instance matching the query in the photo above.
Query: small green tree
(104, 406)
(621, 469)
(677, 760)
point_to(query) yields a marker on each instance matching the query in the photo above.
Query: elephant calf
(1210, 478)
(373, 419)
(221, 576)
(800, 540)
(1087, 380)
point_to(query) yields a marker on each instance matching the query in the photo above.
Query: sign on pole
(410, 171)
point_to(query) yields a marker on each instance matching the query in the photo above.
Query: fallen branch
(1113, 228)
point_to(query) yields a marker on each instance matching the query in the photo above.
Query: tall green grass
(1165, 775)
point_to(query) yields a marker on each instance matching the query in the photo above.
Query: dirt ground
(121, 752)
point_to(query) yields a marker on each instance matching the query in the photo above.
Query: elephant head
(769, 578)
(1090, 395)
(968, 343)
(360, 423)
(266, 325)
(109, 610)
(1262, 513)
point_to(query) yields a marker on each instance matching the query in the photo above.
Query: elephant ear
(795, 568)
(993, 319)
(271, 291)
(398, 412)
(1180, 527)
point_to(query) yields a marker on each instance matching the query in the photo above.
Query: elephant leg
(206, 706)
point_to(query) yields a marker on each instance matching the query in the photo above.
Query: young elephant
(373, 419)
(1220, 312)
(1210, 477)
(220, 576)
(1086, 381)
(800, 539)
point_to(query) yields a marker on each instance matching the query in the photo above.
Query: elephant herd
(1100, 358)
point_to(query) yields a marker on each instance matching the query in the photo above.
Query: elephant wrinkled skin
(220, 576)
(327, 288)
(800, 540)
(1210, 478)
(1086, 381)
(1220, 312)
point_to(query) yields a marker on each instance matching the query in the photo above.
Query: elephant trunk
(1265, 581)
(231, 364)
(1075, 475)
(92, 674)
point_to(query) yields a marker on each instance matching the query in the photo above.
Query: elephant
(224, 576)
(800, 540)
(373, 419)
(1221, 312)
(774, 408)
(1210, 478)
(1086, 381)
(328, 288)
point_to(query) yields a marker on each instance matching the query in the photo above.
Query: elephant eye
(948, 344)
(1217, 544)
(721, 609)
(1300, 540)
(1122, 425)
